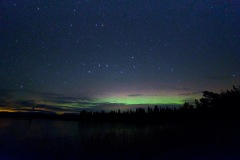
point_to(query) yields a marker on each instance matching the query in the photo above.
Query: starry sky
(70, 55)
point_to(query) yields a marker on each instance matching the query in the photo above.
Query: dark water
(48, 139)
(41, 138)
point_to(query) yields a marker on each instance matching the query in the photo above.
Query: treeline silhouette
(212, 107)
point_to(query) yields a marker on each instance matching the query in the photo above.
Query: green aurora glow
(148, 100)
(121, 101)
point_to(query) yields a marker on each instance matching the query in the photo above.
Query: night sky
(71, 55)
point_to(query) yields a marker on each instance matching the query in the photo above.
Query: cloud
(191, 93)
(4, 94)
(52, 108)
(169, 87)
(220, 77)
(19, 100)
(134, 95)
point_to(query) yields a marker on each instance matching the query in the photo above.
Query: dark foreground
(55, 139)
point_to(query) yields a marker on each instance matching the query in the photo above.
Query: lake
(52, 139)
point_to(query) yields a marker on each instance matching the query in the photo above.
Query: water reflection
(48, 138)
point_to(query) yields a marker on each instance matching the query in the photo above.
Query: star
(107, 48)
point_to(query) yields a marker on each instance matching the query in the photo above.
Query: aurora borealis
(107, 55)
